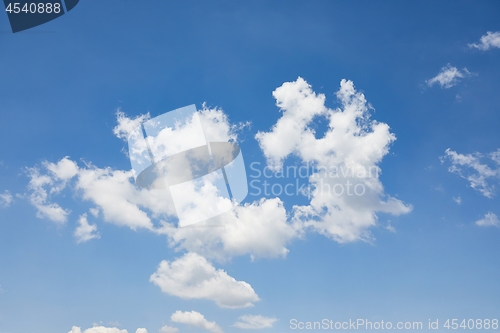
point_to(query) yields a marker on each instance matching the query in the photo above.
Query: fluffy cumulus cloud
(344, 204)
(448, 77)
(119, 200)
(489, 220)
(44, 185)
(481, 171)
(254, 322)
(85, 231)
(195, 319)
(141, 330)
(259, 229)
(5, 199)
(347, 191)
(193, 277)
(488, 41)
(112, 191)
(97, 329)
(125, 125)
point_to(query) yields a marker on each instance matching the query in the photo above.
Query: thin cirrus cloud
(481, 171)
(448, 77)
(196, 319)
(168, 329)
(98, 329)
(488, 41)
(254, 322)
(489, 220)
(193, 277)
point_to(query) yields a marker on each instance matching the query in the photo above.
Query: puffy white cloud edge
(195, 319)
(193, 277)
(85, 231)
(345, 159)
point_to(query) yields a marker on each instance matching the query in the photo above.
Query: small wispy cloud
(448, 76)
(458, 200)
(168, 329)
(488, 41)
(254, 322)
(489, 220)
(5, 199)
(473, 167)
(85, 231)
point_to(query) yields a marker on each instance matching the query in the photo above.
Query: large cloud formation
(348, 192)
(346, 198)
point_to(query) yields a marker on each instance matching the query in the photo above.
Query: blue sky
(422, 66)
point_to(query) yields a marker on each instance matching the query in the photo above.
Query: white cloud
(259, 229)
(490, 40)
(127, 125)
(85, 231)
(471, 168)
(254, 322)
(196, 319)
(458, 200)
(193, 277)
(489, 220)
(346, 156)
(389, 227)
(118, 199)
(448, 77)
(141, 330)
(168, 329)
(94, 212)
(42, 186)
(64, 170)
(5, 199)
(97, 329)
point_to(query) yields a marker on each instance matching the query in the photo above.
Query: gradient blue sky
(61, 84)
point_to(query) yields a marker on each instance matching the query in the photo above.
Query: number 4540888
(33, 8)
(471, 324)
